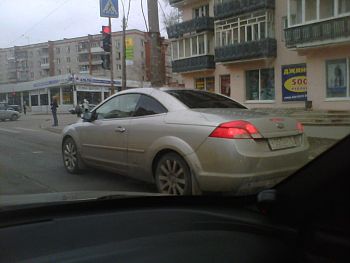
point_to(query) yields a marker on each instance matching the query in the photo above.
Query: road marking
(10, 131)
(37, 152)
(25, 129)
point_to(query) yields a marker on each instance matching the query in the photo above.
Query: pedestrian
(86, 105)
(78, 110)
(54, 107)
(25, 108)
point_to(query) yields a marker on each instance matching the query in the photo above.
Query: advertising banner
(129, 50)
(294, 82)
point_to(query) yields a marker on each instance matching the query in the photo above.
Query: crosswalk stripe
(10, 131)
(25, 129)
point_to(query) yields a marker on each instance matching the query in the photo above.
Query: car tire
(14, 117)
(173, 176)
(71, 157)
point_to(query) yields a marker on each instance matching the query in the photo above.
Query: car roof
(167, 100)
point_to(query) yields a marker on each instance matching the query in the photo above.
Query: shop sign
(294, 82)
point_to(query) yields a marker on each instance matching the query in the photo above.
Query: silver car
(8, 114)
(186, 141)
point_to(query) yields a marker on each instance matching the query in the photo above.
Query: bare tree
(170, 15)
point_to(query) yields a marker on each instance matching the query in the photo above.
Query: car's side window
(121, 106)
(148, 106)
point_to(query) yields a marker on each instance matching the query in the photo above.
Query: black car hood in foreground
(15, 201)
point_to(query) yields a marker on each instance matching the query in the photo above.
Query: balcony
(97, 50)
(195, 25)
(194, 64)
(45, 65)
(320, 33)
(265, 48)
(237, 7)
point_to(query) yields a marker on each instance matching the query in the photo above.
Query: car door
(145, 127)
(104, 140)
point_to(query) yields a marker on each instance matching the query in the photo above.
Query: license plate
(282, 143)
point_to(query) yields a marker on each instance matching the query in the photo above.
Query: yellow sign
(129, 49)
(296, 84)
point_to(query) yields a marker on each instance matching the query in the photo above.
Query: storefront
(67, 89)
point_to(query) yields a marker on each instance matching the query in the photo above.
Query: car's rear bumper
(242, 184)
(224, 167)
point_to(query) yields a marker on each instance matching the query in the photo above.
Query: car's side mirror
(88, 116)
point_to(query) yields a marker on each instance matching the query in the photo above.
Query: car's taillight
(236, 130)
(300, 127)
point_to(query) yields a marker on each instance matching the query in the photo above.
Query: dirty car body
(225, 146)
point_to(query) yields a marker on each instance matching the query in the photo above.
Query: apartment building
(81, 55)
(266, 53)
(71, 69)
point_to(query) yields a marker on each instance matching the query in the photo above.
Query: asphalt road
(31, 162)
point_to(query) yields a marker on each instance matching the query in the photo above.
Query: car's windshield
(201, 99)
(177, 97)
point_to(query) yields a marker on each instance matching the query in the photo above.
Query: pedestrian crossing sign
(109, 8)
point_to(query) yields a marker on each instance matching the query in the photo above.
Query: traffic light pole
(124, 56)
(111, 57)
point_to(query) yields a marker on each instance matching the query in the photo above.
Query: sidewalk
(63, 120)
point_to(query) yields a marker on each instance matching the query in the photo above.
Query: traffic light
(106, 38)
(106, 61)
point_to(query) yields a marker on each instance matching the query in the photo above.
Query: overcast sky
(25, 22)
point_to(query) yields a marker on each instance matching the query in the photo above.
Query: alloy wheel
(70, 155)
(173, 176)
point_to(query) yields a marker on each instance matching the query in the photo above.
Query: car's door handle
(120, 129)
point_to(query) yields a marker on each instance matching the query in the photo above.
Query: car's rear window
(196, 99)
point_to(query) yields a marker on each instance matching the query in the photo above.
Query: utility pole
(111, 56)
(153, 21)
(124, 55)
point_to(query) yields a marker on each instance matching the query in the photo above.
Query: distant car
(73, 111)
(185, 139)
(15, 108)
(9, 114)
(6, 106)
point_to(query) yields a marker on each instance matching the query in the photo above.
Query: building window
(68, 50)
(44, 99)
(337, 78)
(58, 50)
(59, 72)
(343, 6)
(201, 11)
(117, 44)
(225, 85)
(67, 95)
(295, 9)
(69, 71)
(189, 47)
(253, 27)
(68, 59)
(118, 56)
(207, 84)
(302, 11)
(58, 61)
(260, 84)
(326, 8)
(142, 42)
(119, 67)
(142, 54)
(34, 100)
(32, 75)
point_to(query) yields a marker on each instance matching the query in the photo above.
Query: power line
(143, 14)
(40, 21)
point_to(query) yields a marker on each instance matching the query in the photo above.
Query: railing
(236, 7)
(265, 48)
(320, 31)
(194, 64)
(194, 25)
